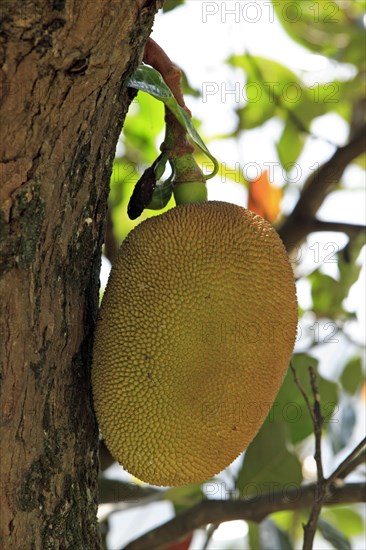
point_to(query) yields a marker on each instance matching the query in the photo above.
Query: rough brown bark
(62, 105)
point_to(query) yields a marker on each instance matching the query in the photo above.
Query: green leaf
(333, 535)
(348, 520)
(171, 5)
(271, 89)
(184, 497)
(274, 90)
(328, 28)
(290, 145)
(317, 100)
(268, 465)
(148, 80)
(360, 161)
(274, 76)
(289, 521)
(254, 542)
(352, 376)
(327, 293)
(255, 113)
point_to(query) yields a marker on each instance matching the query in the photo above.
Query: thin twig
(211, 528)
(337, 474)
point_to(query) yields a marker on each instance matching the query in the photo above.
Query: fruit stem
(155, 56)
(175, 142)
(188, 181)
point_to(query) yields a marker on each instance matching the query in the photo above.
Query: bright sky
(199, 37)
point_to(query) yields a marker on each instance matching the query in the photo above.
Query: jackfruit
(194, 336)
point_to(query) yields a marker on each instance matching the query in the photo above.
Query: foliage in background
(276, 456)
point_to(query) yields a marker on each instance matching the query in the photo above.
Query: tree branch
(352, 230)
(256, 509)
(318, 185)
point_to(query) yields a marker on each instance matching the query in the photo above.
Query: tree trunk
(62, 107)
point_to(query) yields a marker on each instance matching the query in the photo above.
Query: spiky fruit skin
(195, 332)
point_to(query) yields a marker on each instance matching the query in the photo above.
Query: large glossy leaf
(268, 465)
(274, 90)
(336, 96)
(258, 109)
(148, 80)
(330, 28)
(327, 293)
(266, 71)
(291, 144)
(317, 100)
(352, 376)
(271, 89)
